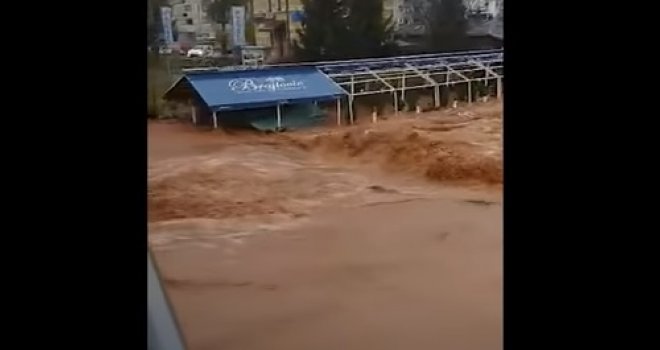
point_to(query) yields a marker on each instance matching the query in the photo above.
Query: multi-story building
(191, 21)
(485, 18)
(410, 16)
(276, 24)
(410, 12)
(490, 8)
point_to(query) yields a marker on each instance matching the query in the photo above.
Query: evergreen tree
(323, 30)
(447, 25)
(218, 11)
(339, 29)
(371, 34)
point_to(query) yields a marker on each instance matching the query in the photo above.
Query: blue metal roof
(232, 90)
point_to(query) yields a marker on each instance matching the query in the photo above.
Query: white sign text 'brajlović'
(272, 84)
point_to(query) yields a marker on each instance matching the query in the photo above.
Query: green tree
(323, 30)
(218, 11)
(337, 29)
(371, 34)
(447, 25)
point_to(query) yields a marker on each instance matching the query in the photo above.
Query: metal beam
(398, 71)
(436, 84)
(445, 58)
(487, 69)
(469, 92)
(422, 74)
(392, 88)
(279, 117)
(396, 102)
(339, 111)
(452, 70)
(338, 84)
(350, 100)
(495, 75)
(366, 93)
(194, 112)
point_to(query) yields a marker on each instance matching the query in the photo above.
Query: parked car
(200, 51)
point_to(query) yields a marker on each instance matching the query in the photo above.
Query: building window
(187, 8)
(189, 21)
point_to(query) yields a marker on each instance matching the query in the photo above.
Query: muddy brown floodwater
(385, 236)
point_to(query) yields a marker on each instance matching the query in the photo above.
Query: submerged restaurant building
(266, 98)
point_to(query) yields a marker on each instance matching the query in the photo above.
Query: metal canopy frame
(397, 75)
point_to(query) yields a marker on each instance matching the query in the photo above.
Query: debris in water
(443, 236)
(381, 189)
(479, 202)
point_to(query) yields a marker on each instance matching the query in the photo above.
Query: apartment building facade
(410, 16)
(491, 8)
(191, 21)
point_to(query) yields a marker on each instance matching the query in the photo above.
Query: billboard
(238, 25)
(166, 19)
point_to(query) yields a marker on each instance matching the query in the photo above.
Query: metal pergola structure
(397, 75)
